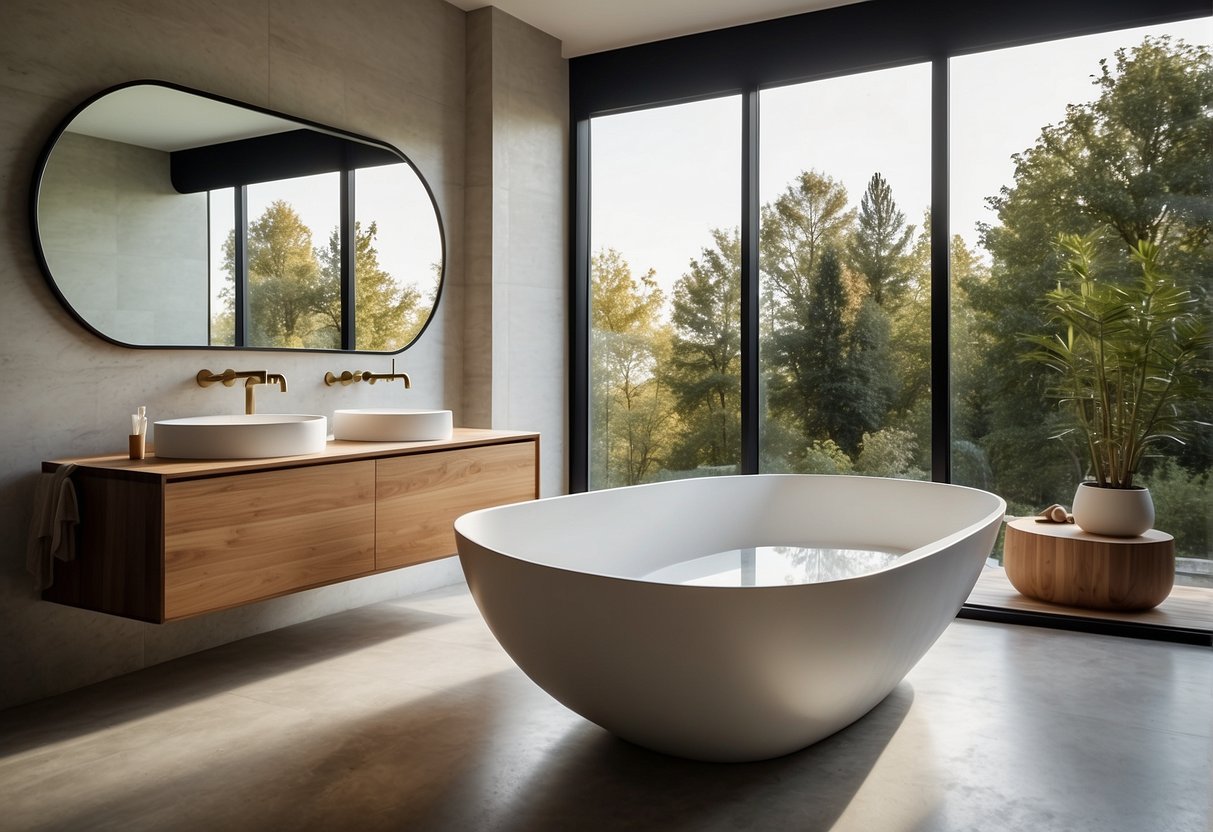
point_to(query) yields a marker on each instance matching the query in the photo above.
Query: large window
(1107, 135)
(898, 182)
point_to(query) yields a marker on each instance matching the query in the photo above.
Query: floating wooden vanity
(163, 539)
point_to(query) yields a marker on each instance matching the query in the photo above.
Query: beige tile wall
(392, 69)
(517, 195)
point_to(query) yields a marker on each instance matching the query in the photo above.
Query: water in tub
(775, 566)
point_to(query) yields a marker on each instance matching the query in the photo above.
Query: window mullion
(941, 283)
(750, 218)
(240, 334)
(349, 339)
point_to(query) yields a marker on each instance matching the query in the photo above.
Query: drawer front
(234, 539)
(418, 497)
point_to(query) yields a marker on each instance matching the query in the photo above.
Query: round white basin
(392, 425)
(240, 437)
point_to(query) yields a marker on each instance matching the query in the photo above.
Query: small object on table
(1059, 563)
(1055, 513)
(137, 441)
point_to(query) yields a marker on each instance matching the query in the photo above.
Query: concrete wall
(391, 69)
(517, 254)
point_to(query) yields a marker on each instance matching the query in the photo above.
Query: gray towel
(52, 529)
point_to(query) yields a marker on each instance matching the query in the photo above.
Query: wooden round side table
(1061, 564)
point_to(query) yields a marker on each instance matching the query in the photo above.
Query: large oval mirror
(168, 217)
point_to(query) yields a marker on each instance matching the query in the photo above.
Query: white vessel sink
(392, 425)
(240, 437)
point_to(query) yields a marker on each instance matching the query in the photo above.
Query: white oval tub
(725, 673)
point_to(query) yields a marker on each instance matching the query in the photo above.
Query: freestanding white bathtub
(605, 600)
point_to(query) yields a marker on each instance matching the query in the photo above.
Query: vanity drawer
(229, 540)
(418, 497)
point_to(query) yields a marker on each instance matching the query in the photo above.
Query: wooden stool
(1061, 564)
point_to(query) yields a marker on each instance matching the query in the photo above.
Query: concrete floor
(406, 715)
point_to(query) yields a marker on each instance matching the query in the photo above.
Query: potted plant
(1128, 360)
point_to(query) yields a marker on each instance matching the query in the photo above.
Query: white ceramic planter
(1114, 512)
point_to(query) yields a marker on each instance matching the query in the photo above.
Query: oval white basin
(240, 437)
(392, 425)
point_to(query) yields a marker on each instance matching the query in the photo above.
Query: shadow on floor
(594, 781)
(494, 753)
(210, 672)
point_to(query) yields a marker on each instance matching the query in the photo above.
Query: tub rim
(904, 560)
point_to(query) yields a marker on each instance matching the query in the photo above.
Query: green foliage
(704, 369)
(1134, 165)
(889, 453)
(294, 289)
(1182, 499)
(830, 376)
(388, 314)
(865, 391)
(823, 456)
(880, 243)
(808, 353)
(631, 410)
(285, 283)
(807, 218)
(1129, 358)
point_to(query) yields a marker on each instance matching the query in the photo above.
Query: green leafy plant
(1129, 357)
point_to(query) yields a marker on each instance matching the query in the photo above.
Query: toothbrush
(142, 415)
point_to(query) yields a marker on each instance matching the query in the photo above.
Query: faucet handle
(206, 378)
(345, 379)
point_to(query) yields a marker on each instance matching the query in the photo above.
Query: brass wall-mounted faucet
(347, 378)
(374, 377)
(227, 378)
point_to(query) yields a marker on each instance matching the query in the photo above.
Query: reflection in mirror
(166, 217)
(294, 279)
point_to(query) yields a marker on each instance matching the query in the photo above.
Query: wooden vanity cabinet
(161, 540)
(418, 497)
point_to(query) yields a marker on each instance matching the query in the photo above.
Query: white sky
(661, 178)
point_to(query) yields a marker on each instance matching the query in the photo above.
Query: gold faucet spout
(374, 377)
(250, 404)
(252, 378)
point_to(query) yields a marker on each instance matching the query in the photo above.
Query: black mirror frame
(61, 128)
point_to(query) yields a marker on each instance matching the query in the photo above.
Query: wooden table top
(1028, 525)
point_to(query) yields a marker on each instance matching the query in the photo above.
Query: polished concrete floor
(406, 715)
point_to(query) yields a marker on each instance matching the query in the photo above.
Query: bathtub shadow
(595, 781)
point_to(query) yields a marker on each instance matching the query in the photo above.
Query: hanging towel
(52, 529)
